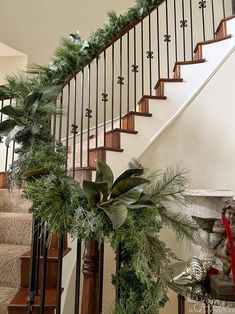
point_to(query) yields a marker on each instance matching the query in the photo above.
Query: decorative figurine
(222, 249)
(195, 271)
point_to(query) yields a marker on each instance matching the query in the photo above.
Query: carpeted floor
(15, 238)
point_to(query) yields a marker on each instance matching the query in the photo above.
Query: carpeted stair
(15, 238)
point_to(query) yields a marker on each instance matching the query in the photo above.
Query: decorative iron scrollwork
(167, 38)
(104, 97)
(202, 4)
(74, 129)
(183, 23)
(135, 68)
(88, 113)
(149, 54)
(120, 80)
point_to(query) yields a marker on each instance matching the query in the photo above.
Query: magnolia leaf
(12, 134)
(30, 100)
(34, 173)
(129, 173)
(127, 184)
(33, 108)
(143, 201)
(11, 112)
(7, 125)
(104, 174)
(117, 213)
(133, 195)
(93, 191)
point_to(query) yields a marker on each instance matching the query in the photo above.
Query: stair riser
(51, 279)
(113, 139)
(128, 123)
(96, 155)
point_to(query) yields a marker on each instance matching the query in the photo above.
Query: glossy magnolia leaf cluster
(115, 197)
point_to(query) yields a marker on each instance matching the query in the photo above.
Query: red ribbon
(232, 250)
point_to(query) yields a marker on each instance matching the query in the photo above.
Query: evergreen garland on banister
(74, 52)
(129, 211)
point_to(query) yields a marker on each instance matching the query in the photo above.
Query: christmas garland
(64, 206)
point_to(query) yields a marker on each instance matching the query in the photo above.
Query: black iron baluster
(59, 274)
(7, 148)
(104, 96)
(32, 273)
(150, 56)
(118, 267)
(158, 45)
(128, 72)
(44, 269)
(88, 114)
(61, 115)
(78, 276)
(38, 257)
(224, 14)
(67, 125)
(13, 152)
(112, 108)
(233, 6)
(142, 56)
(213, 17)
(82, 113)
(183, 24)
(175, 19)
(97, 103)
(202, 6)
(101, 276)
(167, 40)
(135, 70)
(75, 126)
(2, 105)
(120, 82)
(54, 123)
(191, 27)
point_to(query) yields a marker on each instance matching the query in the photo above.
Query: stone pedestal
(222, 286)
(208, 204)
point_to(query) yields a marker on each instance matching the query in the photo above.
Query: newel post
(90, 294)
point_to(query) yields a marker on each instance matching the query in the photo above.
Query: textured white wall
(201, 140)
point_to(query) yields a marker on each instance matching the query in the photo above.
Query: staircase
(113, 134)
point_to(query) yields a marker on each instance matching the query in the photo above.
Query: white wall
(201, 140)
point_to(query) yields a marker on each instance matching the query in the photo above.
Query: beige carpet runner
(15, 238)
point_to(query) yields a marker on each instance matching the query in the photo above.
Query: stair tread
(51, 254)
(211, 41)
(152, 97)
(20, 299)
(168, 80)
(122, 131)
(6, 295)
(106, 148)
(224, 20)
(136, 113)
(188, 62)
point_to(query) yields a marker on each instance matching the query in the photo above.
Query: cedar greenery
(64, 205)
